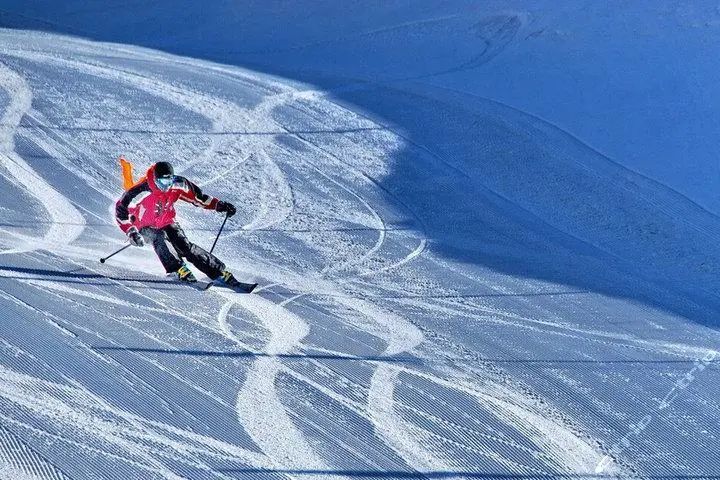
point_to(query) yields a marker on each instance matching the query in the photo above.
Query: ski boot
(229, 280)
(185, 275)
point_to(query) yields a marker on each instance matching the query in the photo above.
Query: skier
(146, 212)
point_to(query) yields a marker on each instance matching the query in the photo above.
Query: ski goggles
(164, 183)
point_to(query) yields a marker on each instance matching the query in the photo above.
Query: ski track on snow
(403, 336)
(87, 416)
(67, 223)
(267, 421)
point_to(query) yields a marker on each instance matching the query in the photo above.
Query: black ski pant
(208, 263)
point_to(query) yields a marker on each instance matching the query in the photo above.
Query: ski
(198, 285)
(203, 285)
(208, 284)
(240, 287)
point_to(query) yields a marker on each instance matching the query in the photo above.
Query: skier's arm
(193, 194)
(129, 200)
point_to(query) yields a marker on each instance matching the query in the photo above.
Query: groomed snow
(457, 279)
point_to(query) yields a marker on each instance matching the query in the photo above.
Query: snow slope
(454, 283)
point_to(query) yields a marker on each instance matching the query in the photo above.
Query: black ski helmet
(163, 169)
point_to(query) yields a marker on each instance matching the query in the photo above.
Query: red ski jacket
(145, 205)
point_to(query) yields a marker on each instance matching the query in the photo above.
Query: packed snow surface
(481, 249)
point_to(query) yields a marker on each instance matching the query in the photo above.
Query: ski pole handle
(219, 232)
(102, 260)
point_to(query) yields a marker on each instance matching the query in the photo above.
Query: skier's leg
(157, 237)
(208, 263)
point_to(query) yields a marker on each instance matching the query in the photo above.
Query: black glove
(226, 207)
(135, 237)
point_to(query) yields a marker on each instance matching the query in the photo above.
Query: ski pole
(219, 232)
(102, 260)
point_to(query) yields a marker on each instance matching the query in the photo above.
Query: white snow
(485, 236)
